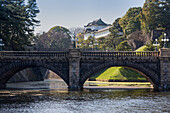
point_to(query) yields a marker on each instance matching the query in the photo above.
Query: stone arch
(150, 75)
(9, 70)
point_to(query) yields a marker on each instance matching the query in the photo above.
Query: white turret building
(96, 28)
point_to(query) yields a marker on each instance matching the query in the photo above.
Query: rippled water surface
(60, 100)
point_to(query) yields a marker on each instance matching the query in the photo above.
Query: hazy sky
(77, 13)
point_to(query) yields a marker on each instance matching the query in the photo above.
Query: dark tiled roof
(89, 30)
(97, 22)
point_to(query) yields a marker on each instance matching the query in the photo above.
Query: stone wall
(165, 68)
(51, 75)
(29, 74)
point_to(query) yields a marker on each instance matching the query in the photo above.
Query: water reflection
(94, 101)
(46, 84)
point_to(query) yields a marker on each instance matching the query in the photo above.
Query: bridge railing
(34, 53)
(120, 54)
(83, 54)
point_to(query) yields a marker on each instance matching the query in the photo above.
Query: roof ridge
(97, 22)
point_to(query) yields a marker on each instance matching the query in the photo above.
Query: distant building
(96, 28)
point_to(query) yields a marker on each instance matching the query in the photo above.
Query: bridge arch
(9, 70)
(150, 75)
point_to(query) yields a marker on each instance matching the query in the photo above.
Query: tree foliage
(55, 39)
(123, 46)
(17, 22)
(110, 42)
(149, 47)
(130, 22)
(156, 15)
(115, 29)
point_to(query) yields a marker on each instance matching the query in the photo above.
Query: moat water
(53, 97)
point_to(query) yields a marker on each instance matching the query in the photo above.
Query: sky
(77, 13)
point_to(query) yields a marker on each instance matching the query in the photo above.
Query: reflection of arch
(9, 70)
(149, 74)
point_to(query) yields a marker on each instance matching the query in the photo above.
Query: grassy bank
(119, 74)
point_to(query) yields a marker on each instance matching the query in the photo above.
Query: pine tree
(130, 22)
(17, 22)
(155, 15)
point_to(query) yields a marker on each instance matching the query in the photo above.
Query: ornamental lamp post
(156, 43)
(165, 39)
(1, 44)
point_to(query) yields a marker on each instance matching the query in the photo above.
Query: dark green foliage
(156, 15)
(160, 40)
(115, 29)
(110, 42)
(130, 22)
(149, 47)
(17, 22)
(123, 46)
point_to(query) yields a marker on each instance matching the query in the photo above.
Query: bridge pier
(164, 69)
(74, 69)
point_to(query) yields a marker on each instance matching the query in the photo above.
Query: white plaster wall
(97, 35)
(102, 34)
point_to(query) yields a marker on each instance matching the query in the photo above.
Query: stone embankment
(29, 74)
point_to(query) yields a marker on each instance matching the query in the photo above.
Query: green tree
(101, 42)
(113, 39)
(149, 47)
(123, 46)
(115, 29)
(131, 22)
(155, 15)
(17, 22)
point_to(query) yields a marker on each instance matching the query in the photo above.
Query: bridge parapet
(33, 54)
(120, 54)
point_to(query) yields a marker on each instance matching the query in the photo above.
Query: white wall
(102, 34)
(97, 35)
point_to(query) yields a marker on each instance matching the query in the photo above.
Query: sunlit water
(52, 97)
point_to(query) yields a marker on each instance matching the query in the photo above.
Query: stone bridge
(76, 66)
